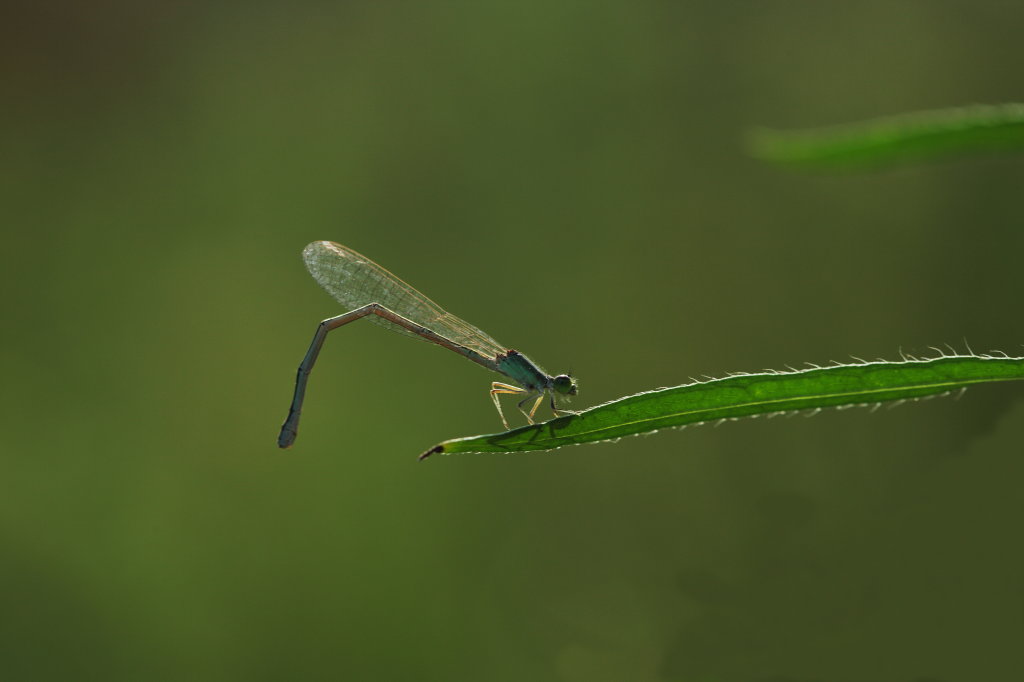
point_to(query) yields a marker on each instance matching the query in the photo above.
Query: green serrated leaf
(745, 395)
(911, 136)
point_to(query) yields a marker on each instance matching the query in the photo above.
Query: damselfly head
(564, 384)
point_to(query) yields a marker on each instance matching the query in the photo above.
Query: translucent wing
(354, 281)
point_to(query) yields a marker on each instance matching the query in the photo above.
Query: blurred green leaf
(746, 395)
(904, 137)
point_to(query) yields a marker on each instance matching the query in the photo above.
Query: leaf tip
(428, 453)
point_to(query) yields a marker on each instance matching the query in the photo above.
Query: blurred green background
(570, 177)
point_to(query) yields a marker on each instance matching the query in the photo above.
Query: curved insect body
(372, 292)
